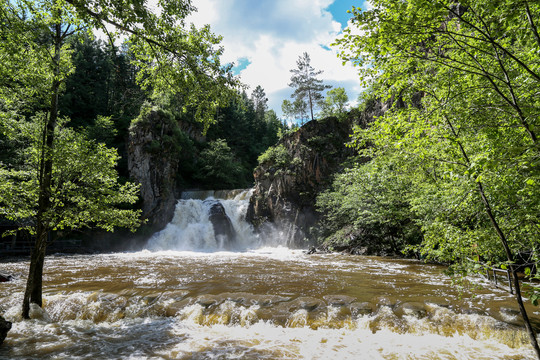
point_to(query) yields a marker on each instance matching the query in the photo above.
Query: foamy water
(271, 303)
(186, 297)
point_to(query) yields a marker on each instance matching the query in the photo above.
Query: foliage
(472, 127)
(170, 58)
(248, 132)
(335, 103)
(218, 167)
(103, 130)
(308, 87)
(277, 156)
(295, 110)
(84, 191)
(463, 79)
(369, 202)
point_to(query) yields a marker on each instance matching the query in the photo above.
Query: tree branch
(492, 40)
(531, 23)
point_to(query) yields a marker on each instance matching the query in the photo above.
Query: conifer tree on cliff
(308, 88)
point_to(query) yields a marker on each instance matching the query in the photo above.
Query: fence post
(510, 282)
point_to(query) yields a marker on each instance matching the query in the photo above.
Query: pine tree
(308, 89)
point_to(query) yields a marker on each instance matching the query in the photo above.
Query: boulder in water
(5, 278)
(414, 309)
(223, 228)
(5, 326)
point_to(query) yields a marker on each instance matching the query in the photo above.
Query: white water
(191, 229)
(271, 303)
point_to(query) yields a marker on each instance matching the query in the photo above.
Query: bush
(276, 155)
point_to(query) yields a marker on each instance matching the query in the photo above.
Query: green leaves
(218, 166)
(335, 103)
(462, 87)
(368, 205)
(307, 87)
(84, 192)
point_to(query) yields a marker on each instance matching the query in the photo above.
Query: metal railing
(491, 273)
(495, 270)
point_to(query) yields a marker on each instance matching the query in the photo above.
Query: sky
(264, 38)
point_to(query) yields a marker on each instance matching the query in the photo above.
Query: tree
(308, 89)
(369, 205)
(218, 166)
(335, 103)
(464, 125)
(84, 190)
(288, 109)
(170, 58)
(273, 128)
(295, 110)
(260, 101)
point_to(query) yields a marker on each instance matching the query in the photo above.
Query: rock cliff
(155, 138)
(292, 173)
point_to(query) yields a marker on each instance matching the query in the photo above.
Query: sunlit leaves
(84, 191)
(463, 80)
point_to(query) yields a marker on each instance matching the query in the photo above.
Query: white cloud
(271, 34)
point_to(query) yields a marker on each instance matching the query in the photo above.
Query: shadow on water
(84, 340)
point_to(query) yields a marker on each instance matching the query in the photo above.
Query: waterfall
(193, 229)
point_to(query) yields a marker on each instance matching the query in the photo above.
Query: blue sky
(264, 38)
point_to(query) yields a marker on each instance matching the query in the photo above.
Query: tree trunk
(33, 292)
(310, 104)
(515, 279)
(507, 250)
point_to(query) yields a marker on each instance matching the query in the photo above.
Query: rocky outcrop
(5, 326)
(223, 228)
(5, 278)
(288, 181)
(294, 172)
(154, 145)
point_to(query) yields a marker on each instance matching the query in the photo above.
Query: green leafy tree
(102, 130)
(218, 166)
(260, 102)
(273, 128)
(288, 109)
(84, 189)
(295, 110)
(170, 58)
(247, 130)
(368, 206)
(463, 80)
(308, 88)
(335, 103)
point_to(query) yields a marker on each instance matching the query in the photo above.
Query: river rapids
(185, 297)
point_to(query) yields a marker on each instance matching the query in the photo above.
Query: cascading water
(192, 229)
(185, 298)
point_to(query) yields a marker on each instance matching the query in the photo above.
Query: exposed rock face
(223, 228)
(152, 164)
(285, 191)
(5, 326)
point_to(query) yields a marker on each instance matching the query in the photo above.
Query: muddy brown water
(185, 298)
(270, 303)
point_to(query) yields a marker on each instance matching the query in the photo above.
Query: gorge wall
(302, 164)
(155, 141)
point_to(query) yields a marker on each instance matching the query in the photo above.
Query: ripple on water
(266, 303)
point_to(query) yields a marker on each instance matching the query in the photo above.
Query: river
(185, 297)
